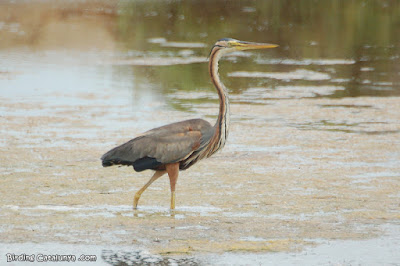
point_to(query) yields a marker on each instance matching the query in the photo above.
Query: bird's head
(231, 45)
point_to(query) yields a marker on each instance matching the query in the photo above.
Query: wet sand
(293, 173)
(304, 178)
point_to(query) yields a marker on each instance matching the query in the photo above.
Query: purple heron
(178, 146)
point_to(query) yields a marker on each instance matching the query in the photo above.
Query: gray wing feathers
(167, 144)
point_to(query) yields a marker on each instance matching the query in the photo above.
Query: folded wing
(168, 144)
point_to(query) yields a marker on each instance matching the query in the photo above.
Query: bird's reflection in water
(141, 257)
(175, 214)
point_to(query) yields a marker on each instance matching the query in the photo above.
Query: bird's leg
(156, 175)
(173, 172)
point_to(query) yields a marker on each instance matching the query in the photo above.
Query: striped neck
(222, 124)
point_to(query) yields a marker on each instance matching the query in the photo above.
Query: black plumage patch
(139, 165)
(146, 163)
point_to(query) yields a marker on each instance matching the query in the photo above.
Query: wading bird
(178, 146)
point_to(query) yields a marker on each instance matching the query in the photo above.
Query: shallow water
(326, 253)
(311, 168)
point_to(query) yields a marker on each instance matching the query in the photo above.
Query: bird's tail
(108, 160)
(116, 157)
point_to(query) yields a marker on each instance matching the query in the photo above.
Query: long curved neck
(222, 124)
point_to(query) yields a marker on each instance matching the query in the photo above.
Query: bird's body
(178, 146)
(178, 142)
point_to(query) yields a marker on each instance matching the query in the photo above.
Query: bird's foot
(136, 201)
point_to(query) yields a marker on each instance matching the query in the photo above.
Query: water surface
(311, 164)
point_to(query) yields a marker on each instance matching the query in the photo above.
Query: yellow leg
(156, 175)
(173, 172)
(172, 200)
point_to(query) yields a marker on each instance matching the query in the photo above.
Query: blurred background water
(155, 49)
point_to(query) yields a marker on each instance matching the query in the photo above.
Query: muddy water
(310, 171)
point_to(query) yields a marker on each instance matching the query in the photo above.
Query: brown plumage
(167, 144)
(178, 146)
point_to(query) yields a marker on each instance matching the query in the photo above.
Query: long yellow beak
(241, 45)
